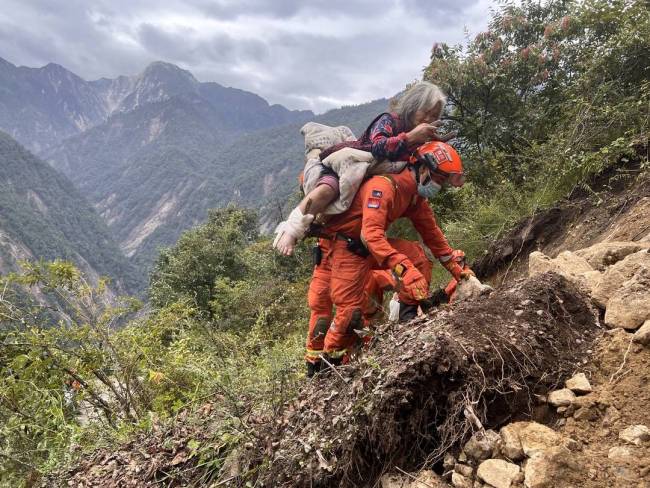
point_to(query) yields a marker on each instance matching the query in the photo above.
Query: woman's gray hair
(421, 96)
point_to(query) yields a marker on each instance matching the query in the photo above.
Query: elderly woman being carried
(337, 163)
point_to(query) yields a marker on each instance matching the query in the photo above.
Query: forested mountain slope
(42, 215)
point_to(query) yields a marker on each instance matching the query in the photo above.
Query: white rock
(642, 336)
(471, 288)
(481, 445)
(635, 434)
(459, 481)
(465, 470)
(604, 254)
(536, 437)
(629, 306)
(614, 277)
(571, 266)
(498, 473)
(620, 454)
(510, 442)
(579, 384)
(561, 398)
(424, 479)
(549, 468)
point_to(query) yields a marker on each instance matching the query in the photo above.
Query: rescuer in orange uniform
(320, 300)
(359, 240)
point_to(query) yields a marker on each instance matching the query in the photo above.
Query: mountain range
(153, 152)
(42, 215)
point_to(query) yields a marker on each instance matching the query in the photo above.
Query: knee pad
(320, 328)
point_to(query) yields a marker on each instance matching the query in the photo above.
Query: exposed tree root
(425, 386)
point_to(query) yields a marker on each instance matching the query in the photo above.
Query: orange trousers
(355, 287)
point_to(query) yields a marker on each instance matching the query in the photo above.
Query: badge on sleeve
(373, 203)
(376, 193)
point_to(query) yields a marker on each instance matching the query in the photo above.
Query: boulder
(642, 336)
(465, 470)
(635, 434)
(604, 254)
(571, 266)
(424, 479)
(629, 306)
(482, 445)
(549, 468)
(460, 481)
(620, 454)
(614, 277)
(510, 442)
(536, 437)
(498, 473)
(561, 398)
(579, 384)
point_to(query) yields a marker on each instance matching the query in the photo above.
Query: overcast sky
(304, 54)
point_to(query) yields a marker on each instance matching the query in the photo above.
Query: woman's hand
(425, 132)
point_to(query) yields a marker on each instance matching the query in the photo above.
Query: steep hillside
(43, 216)
(155, 170)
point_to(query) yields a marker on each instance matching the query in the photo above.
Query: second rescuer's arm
(377, 200)
(424, 221)
(377, 197)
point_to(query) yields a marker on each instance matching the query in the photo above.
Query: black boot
(313, 368)
(407, 312)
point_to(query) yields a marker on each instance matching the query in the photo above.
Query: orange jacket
(380, 201)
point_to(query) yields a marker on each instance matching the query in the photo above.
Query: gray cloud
(304, 54)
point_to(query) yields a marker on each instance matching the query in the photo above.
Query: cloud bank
(307, 54)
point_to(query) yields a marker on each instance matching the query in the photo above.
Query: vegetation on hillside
(551, 95)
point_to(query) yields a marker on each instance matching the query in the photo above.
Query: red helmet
(442, 159)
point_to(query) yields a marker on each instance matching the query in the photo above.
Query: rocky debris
(460, 481)
(424, 479)
(482, 445)
(629, 306)
(498, 473)
(604, 254)
(384, 412)
(535, 437)
(642, 336)
(635, 434)
(620, 454)
(616, 275)
(612, 416)
(578, 384)
(570, 265)
(464, 469)
(550, 467)
(561, 398)
(511, 443)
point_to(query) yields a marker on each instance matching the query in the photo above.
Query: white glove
(295, 227)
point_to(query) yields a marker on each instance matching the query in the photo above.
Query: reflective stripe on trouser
(320, 305)
(349, 275)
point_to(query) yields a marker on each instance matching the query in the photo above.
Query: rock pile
(615, 274)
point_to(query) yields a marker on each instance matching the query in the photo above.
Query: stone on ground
(570, 265)
(614, 277)
(642, 336)
(635, 434)
(561, 398)
(536, 437)
(549, 468)
(424, 479)
(498, 473)
(482, 445)
(579, 384)
(620, 454)
(460, 481)
(629, 306)
(604, 254)
(510, 442)
(471, 288)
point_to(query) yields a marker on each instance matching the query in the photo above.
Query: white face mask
(429, 190)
